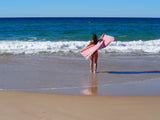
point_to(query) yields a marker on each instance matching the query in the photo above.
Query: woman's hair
(94, 38)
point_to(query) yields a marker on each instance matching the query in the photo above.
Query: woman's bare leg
(95, 62)
(91, 63)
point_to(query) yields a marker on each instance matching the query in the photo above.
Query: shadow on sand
(127, 72)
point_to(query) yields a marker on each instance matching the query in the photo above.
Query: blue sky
(79, 8)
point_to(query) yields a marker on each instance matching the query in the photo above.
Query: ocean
(43, 55)
(67, 36)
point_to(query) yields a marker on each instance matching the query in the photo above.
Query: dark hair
(94, 38)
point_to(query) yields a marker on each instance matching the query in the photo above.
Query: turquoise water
(15, 33)
(59, 29)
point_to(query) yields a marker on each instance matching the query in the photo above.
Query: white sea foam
(30, 47)
(70, 47)
(139, 47)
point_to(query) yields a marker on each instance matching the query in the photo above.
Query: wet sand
(117, 75)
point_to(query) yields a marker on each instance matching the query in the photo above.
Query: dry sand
(16, 105)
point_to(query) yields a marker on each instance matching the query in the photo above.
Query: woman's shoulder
(91, 42)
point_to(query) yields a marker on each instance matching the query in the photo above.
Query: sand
(47, 87)
(16, 105)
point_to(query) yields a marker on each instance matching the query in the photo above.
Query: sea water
(68, 36)
(34, 71)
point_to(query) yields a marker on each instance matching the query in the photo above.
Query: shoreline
(117, 75)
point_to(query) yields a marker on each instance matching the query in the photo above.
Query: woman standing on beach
(94, 56)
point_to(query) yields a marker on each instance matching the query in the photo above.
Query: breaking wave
(74, 47)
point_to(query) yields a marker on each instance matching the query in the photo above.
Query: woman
(94, 56)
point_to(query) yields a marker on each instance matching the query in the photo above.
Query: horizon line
(77, 17)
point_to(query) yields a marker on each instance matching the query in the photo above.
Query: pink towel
(104, 41)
